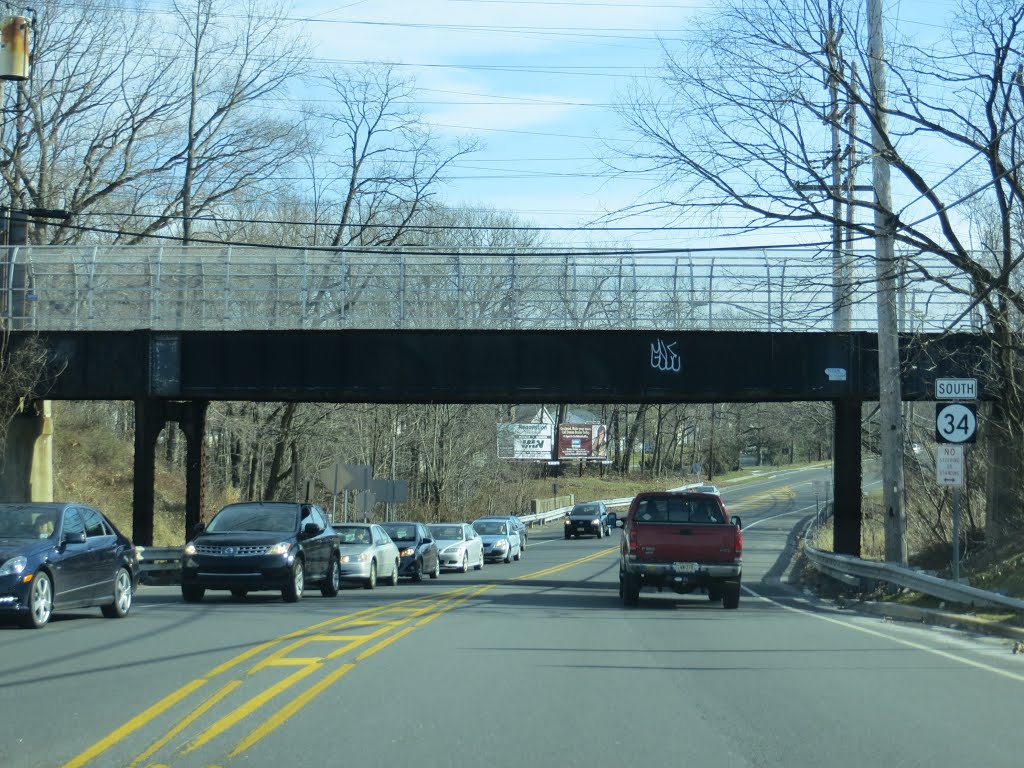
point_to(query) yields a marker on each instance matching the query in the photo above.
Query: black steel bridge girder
(478, 366)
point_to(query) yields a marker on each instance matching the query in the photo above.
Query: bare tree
(741, 120)
(112, 120)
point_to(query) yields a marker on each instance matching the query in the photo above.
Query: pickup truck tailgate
(685, 542)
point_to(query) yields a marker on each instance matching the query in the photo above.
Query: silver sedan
(459, 545)
(366, 554)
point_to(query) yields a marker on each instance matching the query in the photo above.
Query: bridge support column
(27, 470)
(846, 478)
(150, 416)
(191, 417)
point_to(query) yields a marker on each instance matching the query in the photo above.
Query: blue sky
(536, 82)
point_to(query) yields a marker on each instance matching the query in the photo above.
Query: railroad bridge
(174, 328)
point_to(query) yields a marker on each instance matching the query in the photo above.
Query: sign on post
(956, 422)
(949, 465)
(341, 476)
(390, 491)
(956, 389)
(365, 501)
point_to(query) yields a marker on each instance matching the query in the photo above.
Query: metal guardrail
(852, 571)
(159, 565)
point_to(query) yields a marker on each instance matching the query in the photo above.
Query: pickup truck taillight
(739, 542)
(631, 544)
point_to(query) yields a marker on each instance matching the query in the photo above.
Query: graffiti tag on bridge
(665, 358)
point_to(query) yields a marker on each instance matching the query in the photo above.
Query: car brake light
(739, 542)
(632, 541)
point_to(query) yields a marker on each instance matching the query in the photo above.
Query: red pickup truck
(683, 541)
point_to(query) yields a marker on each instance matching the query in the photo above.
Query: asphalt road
(530, 663)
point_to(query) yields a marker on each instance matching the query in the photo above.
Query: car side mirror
(428, 540)
(737, 521)
(77, 537)
(613, 519)
(199, 527)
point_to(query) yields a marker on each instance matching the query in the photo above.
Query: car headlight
(355, 558)
(280, 548)
(595, 521)
(14, 566)
(501, 544)
(408, 552)
(568, 521)
(190, 548)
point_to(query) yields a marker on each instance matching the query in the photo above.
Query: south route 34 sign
(956, 422)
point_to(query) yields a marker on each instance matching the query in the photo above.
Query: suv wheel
(630, 589)
(731, 594)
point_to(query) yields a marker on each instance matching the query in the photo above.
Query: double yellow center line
(323, 653)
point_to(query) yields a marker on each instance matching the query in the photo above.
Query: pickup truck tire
(731, 594)
(630, 589)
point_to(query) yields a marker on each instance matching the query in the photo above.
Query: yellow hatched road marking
(419, 610)
(248, 708)
(134, 724)
(284, 713)
(198, 712)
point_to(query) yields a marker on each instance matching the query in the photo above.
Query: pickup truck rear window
(679, 511)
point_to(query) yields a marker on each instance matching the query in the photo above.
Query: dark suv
(261, 546)
(590, 518)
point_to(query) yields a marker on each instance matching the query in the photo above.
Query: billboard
(583, 441)
(526, 441)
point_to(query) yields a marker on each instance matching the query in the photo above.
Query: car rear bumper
(654, 572)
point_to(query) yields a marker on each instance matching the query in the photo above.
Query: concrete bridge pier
(151, 415)
(847, 471)
(26, 473)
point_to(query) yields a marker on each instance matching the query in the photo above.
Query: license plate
(684, 567)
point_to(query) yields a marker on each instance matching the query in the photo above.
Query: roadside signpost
(956, 389)
(949, 466)
(956, 424)
(344, 477)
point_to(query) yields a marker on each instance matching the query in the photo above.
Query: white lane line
(908, 643)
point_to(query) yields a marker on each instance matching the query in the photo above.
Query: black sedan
(417, 549)
(267, 545)
(58, 556)
(588, 519)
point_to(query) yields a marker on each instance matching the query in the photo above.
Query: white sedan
(459, 545)
(366, 553)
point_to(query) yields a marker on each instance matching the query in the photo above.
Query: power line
(561, 251)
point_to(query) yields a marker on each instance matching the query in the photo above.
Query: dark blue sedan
(58, 556)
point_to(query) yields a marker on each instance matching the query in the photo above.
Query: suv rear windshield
(678, 510)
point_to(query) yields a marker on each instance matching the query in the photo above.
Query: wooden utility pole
(889, 391)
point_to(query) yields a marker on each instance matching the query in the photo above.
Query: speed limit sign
(956, 422)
